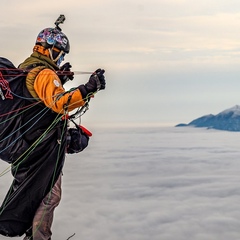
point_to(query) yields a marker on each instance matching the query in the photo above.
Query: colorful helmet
(53, 37)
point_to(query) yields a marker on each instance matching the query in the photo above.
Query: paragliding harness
(13, 97)
(12, 104)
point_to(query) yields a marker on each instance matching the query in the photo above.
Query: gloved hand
(101, 78)
(64, 73)
(95, 83)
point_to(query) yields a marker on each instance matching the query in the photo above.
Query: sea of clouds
(161, 183)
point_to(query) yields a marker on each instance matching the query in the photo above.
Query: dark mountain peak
(228, 120)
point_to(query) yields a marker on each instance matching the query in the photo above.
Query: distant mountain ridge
(228, 120)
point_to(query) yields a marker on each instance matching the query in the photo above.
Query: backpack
(12, 103)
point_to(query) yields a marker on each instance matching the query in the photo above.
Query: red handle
(86, 131)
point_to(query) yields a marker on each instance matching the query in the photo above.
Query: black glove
(64, 73)
(101, 78)
(95, 83)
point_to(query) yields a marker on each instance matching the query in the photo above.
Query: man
(36, 189)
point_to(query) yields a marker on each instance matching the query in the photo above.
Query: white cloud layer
(151, 183)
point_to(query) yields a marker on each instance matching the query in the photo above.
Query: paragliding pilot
(37, 155)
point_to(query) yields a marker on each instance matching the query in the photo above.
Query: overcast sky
(166, 61)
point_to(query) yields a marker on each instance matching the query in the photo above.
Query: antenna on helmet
(60, 20)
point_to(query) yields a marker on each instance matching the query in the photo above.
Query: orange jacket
(49, 89)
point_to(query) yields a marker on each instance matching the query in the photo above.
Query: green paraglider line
(60, 117)
(15, 165)
(80, 112)
(53, 177)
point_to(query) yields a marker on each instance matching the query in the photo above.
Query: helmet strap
(51, 54)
